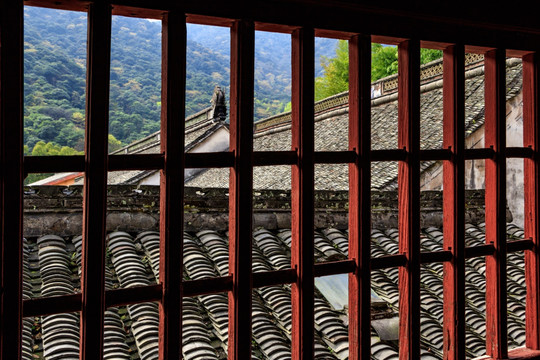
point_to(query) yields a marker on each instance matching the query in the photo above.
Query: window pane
(331, 317)
(384, 87)
(131, 332)
(331, 95)
(205, 326)
(431, 310)
(135, 81)
(431, 99)
(385, 313)
(51, 337)
(475, 294)
(431, 206)
(474, 101)
(52, 225)
(207, 88)
(271, 322)
(514, 102)
(198, 338)
(54, 81)
(206, 224)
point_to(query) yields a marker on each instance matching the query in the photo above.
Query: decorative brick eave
(58, 209)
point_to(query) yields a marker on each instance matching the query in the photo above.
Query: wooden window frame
(241, 159)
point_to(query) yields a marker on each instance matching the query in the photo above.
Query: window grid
(172, 184)
(532, 178)
(95, 183)
(495, 207)
(241, 159)
(453, 200)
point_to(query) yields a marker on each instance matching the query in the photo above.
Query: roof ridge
(431, 78)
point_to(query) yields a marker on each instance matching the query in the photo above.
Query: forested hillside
(55, 67)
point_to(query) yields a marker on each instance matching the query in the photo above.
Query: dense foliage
(55, 68)
(384, 62)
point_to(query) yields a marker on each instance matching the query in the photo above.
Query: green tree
(384, 62)
(50, 149)
(114, 144)
(336, 73)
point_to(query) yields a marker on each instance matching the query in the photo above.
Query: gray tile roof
(52, 267)
(331, 132)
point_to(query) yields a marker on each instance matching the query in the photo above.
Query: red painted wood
(531, 138)
(241, 188)
(454, 202)
(11, 177)
(517, 354)
(95, 182)
(171, 222)
(523, 354)
(409, 198)
(135, 11)
(284, 29)
(495, 137)
(360, 197)
(302, 194)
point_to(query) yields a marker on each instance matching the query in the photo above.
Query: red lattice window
(91, 303)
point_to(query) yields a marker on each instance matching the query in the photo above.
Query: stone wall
(58, 209)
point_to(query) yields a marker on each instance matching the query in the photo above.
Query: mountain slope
(55, 67)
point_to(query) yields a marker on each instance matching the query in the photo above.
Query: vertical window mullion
(409, 198)
(495, 208)
(302, 196)
(360, 197)
(11, 130)
(241, 188)
(172, 183)
(531, 138)
(454, 201)
(95, 181)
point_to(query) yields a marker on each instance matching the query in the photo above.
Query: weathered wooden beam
(241, 188)
(52, 305)
(531, 179)
(11, 177)
(495, 138)
(302, 194)
(171, 222)
(95, 182)
(454, 202)
(409, 198)
(360, 197)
